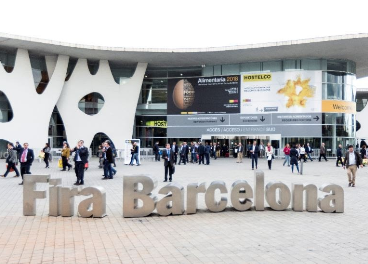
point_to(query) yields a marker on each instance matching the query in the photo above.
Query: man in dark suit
(254, 151)
(26, 160)
(186, 151)
(183, 154)
(213, 149)
(80, 159)
(175, 149)
(339, 156)
(309, 150)
(168, 157)
(18, 148)
(156, 151)
(201, 150)
(109, 159)
(207, 151)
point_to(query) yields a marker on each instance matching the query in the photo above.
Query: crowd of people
(195, 153)
(24, 156)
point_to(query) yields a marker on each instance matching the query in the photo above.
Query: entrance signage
(277, 194)
(245, 124)
(249, 120)
(138, 200)
(61, 200)
(297, 118)
(285, 131)
(336, 106)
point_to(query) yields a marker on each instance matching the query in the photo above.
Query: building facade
(291, 93)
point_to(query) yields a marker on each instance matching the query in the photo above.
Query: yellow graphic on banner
(257, 77)
(298, 91)
(335, 106)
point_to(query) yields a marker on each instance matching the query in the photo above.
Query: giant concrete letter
(98, 200)
(192, 196)
(30, 194)
(55, 197)
(259, 190)
(284, 195)
(241, 190)
(210, 201)
(176, 198)
(131, 195)
(67, 200)
(336, 198)
(297, 201)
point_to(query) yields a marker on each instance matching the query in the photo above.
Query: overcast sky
(182, 24)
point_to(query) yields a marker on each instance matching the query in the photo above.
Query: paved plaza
(226, 237)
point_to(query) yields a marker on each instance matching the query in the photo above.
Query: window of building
(6, 111)
(93, 66)
(91, 104)
(40, 74)
(7, 59)
(121, 72)
(71, 66)
(57, 129)
(154, 91)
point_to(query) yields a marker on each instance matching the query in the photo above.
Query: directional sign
(295, 119)
(285, 131)
(249, 120)
(197, 120)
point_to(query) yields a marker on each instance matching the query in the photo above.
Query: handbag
(273, 156)
(173, 169)
(86, 165)
(11, 169)
(60, 163)
(41, 155)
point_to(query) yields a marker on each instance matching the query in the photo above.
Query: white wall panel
(31, 111)
(115, 119)
(361, 117)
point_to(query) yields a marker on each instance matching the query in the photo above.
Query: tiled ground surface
(226, 237)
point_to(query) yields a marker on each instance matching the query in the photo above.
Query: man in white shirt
(352, 161)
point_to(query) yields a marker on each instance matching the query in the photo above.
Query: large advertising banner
(204, 95)
(281, 92)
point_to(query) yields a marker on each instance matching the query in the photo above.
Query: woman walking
(287, 155)
(46, 150)
(65, 153)
(294, 159)
(269, 154)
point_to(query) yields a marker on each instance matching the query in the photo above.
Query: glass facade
(338, 83)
